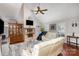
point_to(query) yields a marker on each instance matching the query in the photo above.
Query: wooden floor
(69, 50)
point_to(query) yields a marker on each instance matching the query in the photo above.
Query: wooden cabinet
(16, 33)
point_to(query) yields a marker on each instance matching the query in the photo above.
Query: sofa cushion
(51, 47)
(42, 49)
(49, 35)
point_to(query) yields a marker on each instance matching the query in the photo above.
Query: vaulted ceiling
(9, 10)
(56, 11)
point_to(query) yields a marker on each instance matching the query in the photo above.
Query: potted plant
(42, 29)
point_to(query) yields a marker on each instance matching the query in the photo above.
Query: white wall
(10, 10)
(29, 15)
(46, 26)
(68, 29)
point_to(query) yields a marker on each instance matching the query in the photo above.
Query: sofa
(52, 47)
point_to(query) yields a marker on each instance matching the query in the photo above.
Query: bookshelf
(29, 32)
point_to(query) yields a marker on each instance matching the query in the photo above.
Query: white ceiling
(10, 10)
(56, 11)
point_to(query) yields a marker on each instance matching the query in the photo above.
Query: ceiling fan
(39, 10)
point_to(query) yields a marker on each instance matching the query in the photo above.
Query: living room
(39, 29)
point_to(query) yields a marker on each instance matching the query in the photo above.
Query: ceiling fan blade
(41, 12)
(45, 10)
(34, 10)
(37, 12)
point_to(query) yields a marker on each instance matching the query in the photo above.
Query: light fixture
(39, 10)
(74, 24)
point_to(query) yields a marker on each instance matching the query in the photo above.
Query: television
(29, 22)
(1, 26)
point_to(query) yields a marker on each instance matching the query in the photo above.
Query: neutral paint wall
(30, 15)
(68, 29)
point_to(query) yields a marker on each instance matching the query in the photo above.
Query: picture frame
(52, 27)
